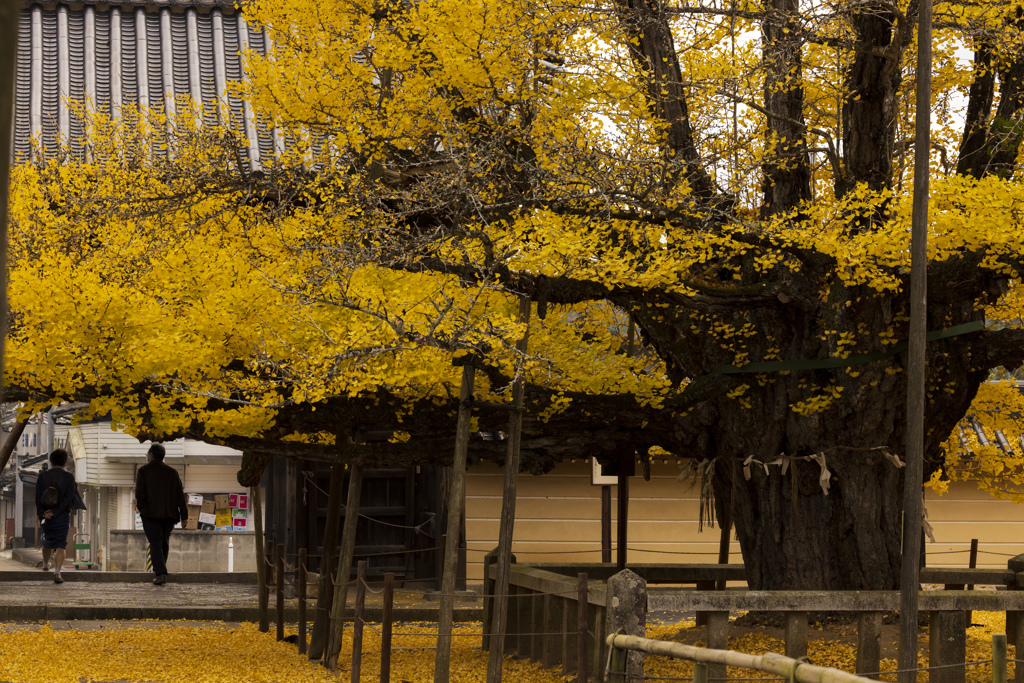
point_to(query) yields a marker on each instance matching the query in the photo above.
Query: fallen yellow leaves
(226, 654)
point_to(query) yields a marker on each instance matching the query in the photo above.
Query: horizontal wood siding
(965, 513)
(212, 479)
(558, 517)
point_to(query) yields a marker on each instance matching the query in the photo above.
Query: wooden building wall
(558, 517)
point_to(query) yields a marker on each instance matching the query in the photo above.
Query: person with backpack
(160, 500)
(55, 494)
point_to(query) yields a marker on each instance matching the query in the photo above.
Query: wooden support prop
(279, 589)
(582, 627)
(625, 467)
(300, 580)
(262, 590)
(998, 658)
(972, 563)
(869, 643)
(325, 592)
(348, 546)
(723, 543)
(456, 503)
(357, 626)
(508, 508)
(386, 627)
(700, 672)
(947, 645)
(796, 634)
(606, 524)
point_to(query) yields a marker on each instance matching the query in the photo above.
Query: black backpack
(51, 497)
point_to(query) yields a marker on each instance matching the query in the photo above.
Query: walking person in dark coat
(160, 500)
(56, 520)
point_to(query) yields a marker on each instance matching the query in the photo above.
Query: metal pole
(909, 576)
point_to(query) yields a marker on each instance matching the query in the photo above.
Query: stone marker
(626, 607)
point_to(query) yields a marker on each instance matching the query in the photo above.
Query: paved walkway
(29, 594)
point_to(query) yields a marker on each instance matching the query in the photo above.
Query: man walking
(160, 500)
(55, 498)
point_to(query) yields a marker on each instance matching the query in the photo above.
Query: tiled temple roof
(143, 54)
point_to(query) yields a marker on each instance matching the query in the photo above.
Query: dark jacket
(158, 492)
(65, 485)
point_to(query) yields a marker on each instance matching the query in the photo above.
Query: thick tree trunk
(795, 537)
(787, 174)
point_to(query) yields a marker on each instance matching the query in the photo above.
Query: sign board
(598, 479)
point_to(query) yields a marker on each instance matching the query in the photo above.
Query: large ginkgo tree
(707, 205)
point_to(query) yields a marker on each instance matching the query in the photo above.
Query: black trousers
(158, 533)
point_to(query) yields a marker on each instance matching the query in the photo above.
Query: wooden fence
(544, 602)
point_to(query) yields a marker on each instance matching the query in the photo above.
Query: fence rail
(785, 667)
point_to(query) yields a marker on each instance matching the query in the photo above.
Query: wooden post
(998, 658)
(972, 563)
(325, 593)
(869, 643)
(606, 524)
(456, 501)
(910, 584)
(796, 634)
(387, 622)
(262, 590)
(623, 516)
(551, 644)
(279, 575)
(300, 579)
(700, 672)
(357, 626)
(487, 594)
(508, 508)
(1018, 643)
(718, 639)
(582, 627)
(348, 547)
(439, 561)
(947, 645)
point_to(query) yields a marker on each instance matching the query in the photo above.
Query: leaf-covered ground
(171, 653)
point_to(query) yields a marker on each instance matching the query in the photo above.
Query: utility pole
(909, 575)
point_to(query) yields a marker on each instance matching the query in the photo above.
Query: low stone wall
(190, 551)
